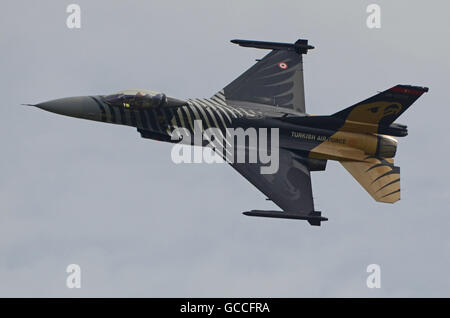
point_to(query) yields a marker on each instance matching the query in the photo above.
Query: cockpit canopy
(139, 99)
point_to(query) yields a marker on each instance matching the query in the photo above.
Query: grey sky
(74, 191)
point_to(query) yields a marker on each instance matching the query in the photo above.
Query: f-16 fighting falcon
(271, 95)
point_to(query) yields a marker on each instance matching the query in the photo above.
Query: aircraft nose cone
(81, 107)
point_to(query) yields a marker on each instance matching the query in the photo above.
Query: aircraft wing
(276, 79)
(289, 188)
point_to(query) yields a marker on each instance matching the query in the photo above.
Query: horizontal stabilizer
(378, 176)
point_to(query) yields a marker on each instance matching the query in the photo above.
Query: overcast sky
(97, 195)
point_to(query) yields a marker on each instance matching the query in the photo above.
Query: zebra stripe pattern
(213, 112)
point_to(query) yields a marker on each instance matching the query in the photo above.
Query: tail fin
(384, 108)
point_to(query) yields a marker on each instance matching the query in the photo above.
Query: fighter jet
(270, 94)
